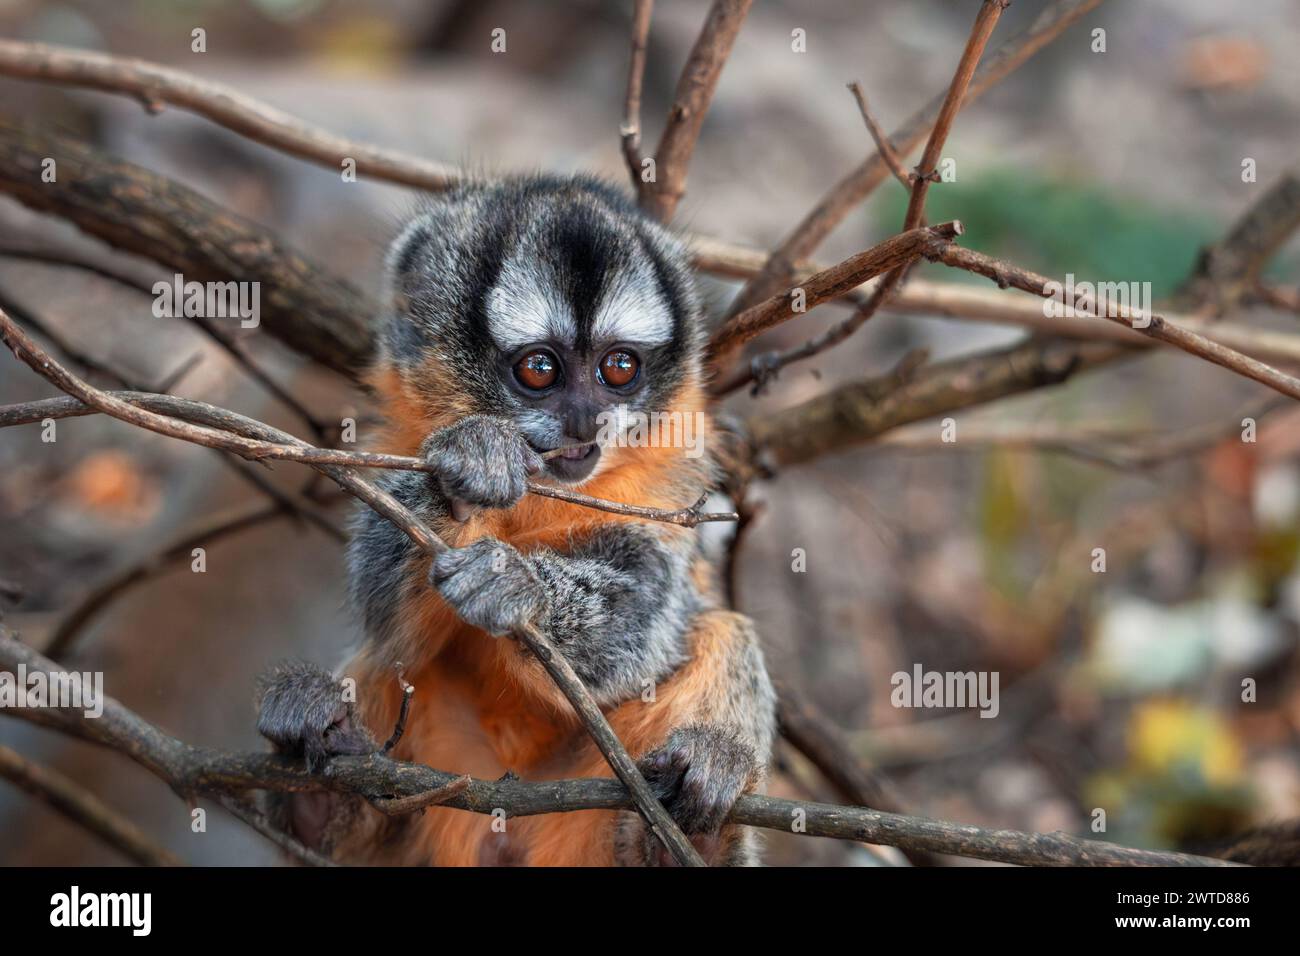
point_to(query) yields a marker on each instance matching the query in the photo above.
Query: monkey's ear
(433, 238)
(409, 260)
(422, 287)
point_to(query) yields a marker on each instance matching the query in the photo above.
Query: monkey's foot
(698, 775)
(304, 712)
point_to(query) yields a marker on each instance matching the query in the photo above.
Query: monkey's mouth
(573, 463)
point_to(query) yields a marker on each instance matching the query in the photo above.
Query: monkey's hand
(303, 712)
(698, 775)
(481, 461)
(491, 586)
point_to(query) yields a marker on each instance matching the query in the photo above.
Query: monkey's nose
(582, 424)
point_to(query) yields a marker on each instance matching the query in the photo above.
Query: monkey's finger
(462, 510)
(533, 462)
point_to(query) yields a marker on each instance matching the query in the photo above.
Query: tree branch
(155, 85)
(293, 505)
(1227, 271)
(989, 13)
(848, 193)
(960, 301)
(246, 812)
(830, 283)
(1156, 327)
(630, 131)
(84, 809)
(74, 622)
(1124, 449)
(857, 412)
(699, 78)
(1277, 297)
(763, 368)
(190, 770)
(303, 305)
(824, 746)
(232, 435)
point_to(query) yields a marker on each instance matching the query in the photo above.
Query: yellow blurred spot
(1165, 734)
(362, 44)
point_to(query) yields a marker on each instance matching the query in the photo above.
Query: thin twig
(63, 259)
(1124, 449)
(73, 624)
(825, 747)
(89, 363)
(11, 591)
(657, 819)
(766, 366)
(970, 302)
(985, 21)
(630, 131)
(1229, 269)
(234, 346)
(298, 509)
(879, 137)
(967, 302)
(179, 373)
(399, 806)
(1279, 297)
(762, 369)
(408, 692)
(231, 344)
(134, 412)
(25, 413)
(849, 415)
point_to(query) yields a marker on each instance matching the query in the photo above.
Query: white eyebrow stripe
(520, 311)
(633, 311)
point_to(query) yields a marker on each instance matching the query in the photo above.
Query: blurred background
(1119, 690)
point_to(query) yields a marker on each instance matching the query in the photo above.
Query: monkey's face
(576, 399)
(569, 314)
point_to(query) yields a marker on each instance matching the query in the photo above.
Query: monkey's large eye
(537, 370)
(618, 368)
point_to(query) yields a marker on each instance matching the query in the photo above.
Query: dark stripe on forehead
(586, 250)
(669, 280)
(494, 242)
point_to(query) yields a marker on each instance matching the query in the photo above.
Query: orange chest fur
(487, 701)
